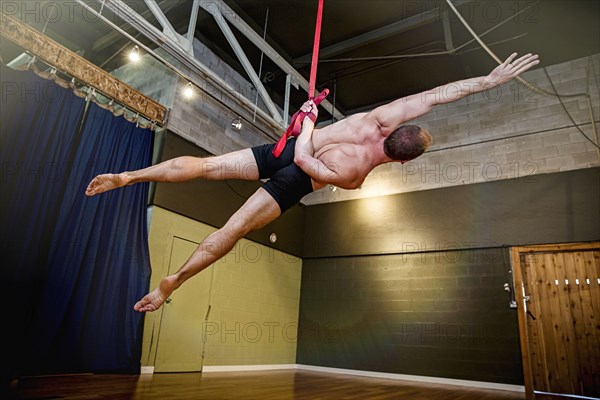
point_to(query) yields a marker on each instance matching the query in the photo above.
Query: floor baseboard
(368, 374)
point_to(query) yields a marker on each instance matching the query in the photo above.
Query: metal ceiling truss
(296, 78)
(110, 38)
(181, 47)
(239, 52)
(187, 41)
(164, 22)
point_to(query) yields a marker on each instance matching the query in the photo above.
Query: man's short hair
(406, 143)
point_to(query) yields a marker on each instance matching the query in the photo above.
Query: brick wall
(440, 314)
(499, 134)
(206, 119)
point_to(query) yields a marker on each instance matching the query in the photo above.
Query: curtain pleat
(74, 265)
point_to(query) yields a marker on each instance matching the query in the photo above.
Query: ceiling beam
(447, 30)
(162, 20)
(378, 34)
(110, 38)
(192, 26)
(263, 46)
(239, 52)
(173, 47)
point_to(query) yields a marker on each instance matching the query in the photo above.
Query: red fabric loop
(296, 124)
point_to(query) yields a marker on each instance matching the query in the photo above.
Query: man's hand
(311, 108)
(510, 69)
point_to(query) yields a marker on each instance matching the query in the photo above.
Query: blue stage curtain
(78, 264)
(38, 129)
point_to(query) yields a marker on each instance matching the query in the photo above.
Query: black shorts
(287, 183)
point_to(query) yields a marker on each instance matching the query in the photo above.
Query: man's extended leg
(237, 165)
(258, 211)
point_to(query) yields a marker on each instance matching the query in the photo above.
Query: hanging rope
(529, 85)
(296, 124)
(499, 61)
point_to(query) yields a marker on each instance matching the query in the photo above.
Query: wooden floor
(263, 385)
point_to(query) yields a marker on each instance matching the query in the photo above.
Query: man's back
(350, 147)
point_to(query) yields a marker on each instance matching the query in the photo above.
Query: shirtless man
(341, 154)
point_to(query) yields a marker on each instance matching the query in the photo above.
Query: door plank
(570, 378)
(537, 347)
(587, 341)
(592, 266)
(578, 346)
(554, 349)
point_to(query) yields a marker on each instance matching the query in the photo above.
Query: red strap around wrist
(296, 124)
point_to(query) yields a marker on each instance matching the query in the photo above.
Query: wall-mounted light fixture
(237, 123)
(134, 55)
(188, 92)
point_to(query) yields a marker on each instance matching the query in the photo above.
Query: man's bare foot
(104, 183)
(153, 300)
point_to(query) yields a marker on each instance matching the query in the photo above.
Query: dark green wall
(414, 283)
(550, 208)
(213, 202)
(440, 314)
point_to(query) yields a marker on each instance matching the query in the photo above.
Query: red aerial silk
(296, 124)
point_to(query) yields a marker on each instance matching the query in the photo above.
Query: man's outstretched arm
(392, 115)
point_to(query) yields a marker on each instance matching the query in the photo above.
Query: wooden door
(180, 341)
(560, 319)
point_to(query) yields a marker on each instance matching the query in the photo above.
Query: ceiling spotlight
(134, 55)
(188, 92)
(332, 188)
(237, 123)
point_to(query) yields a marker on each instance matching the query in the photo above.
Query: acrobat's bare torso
(351, 146)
